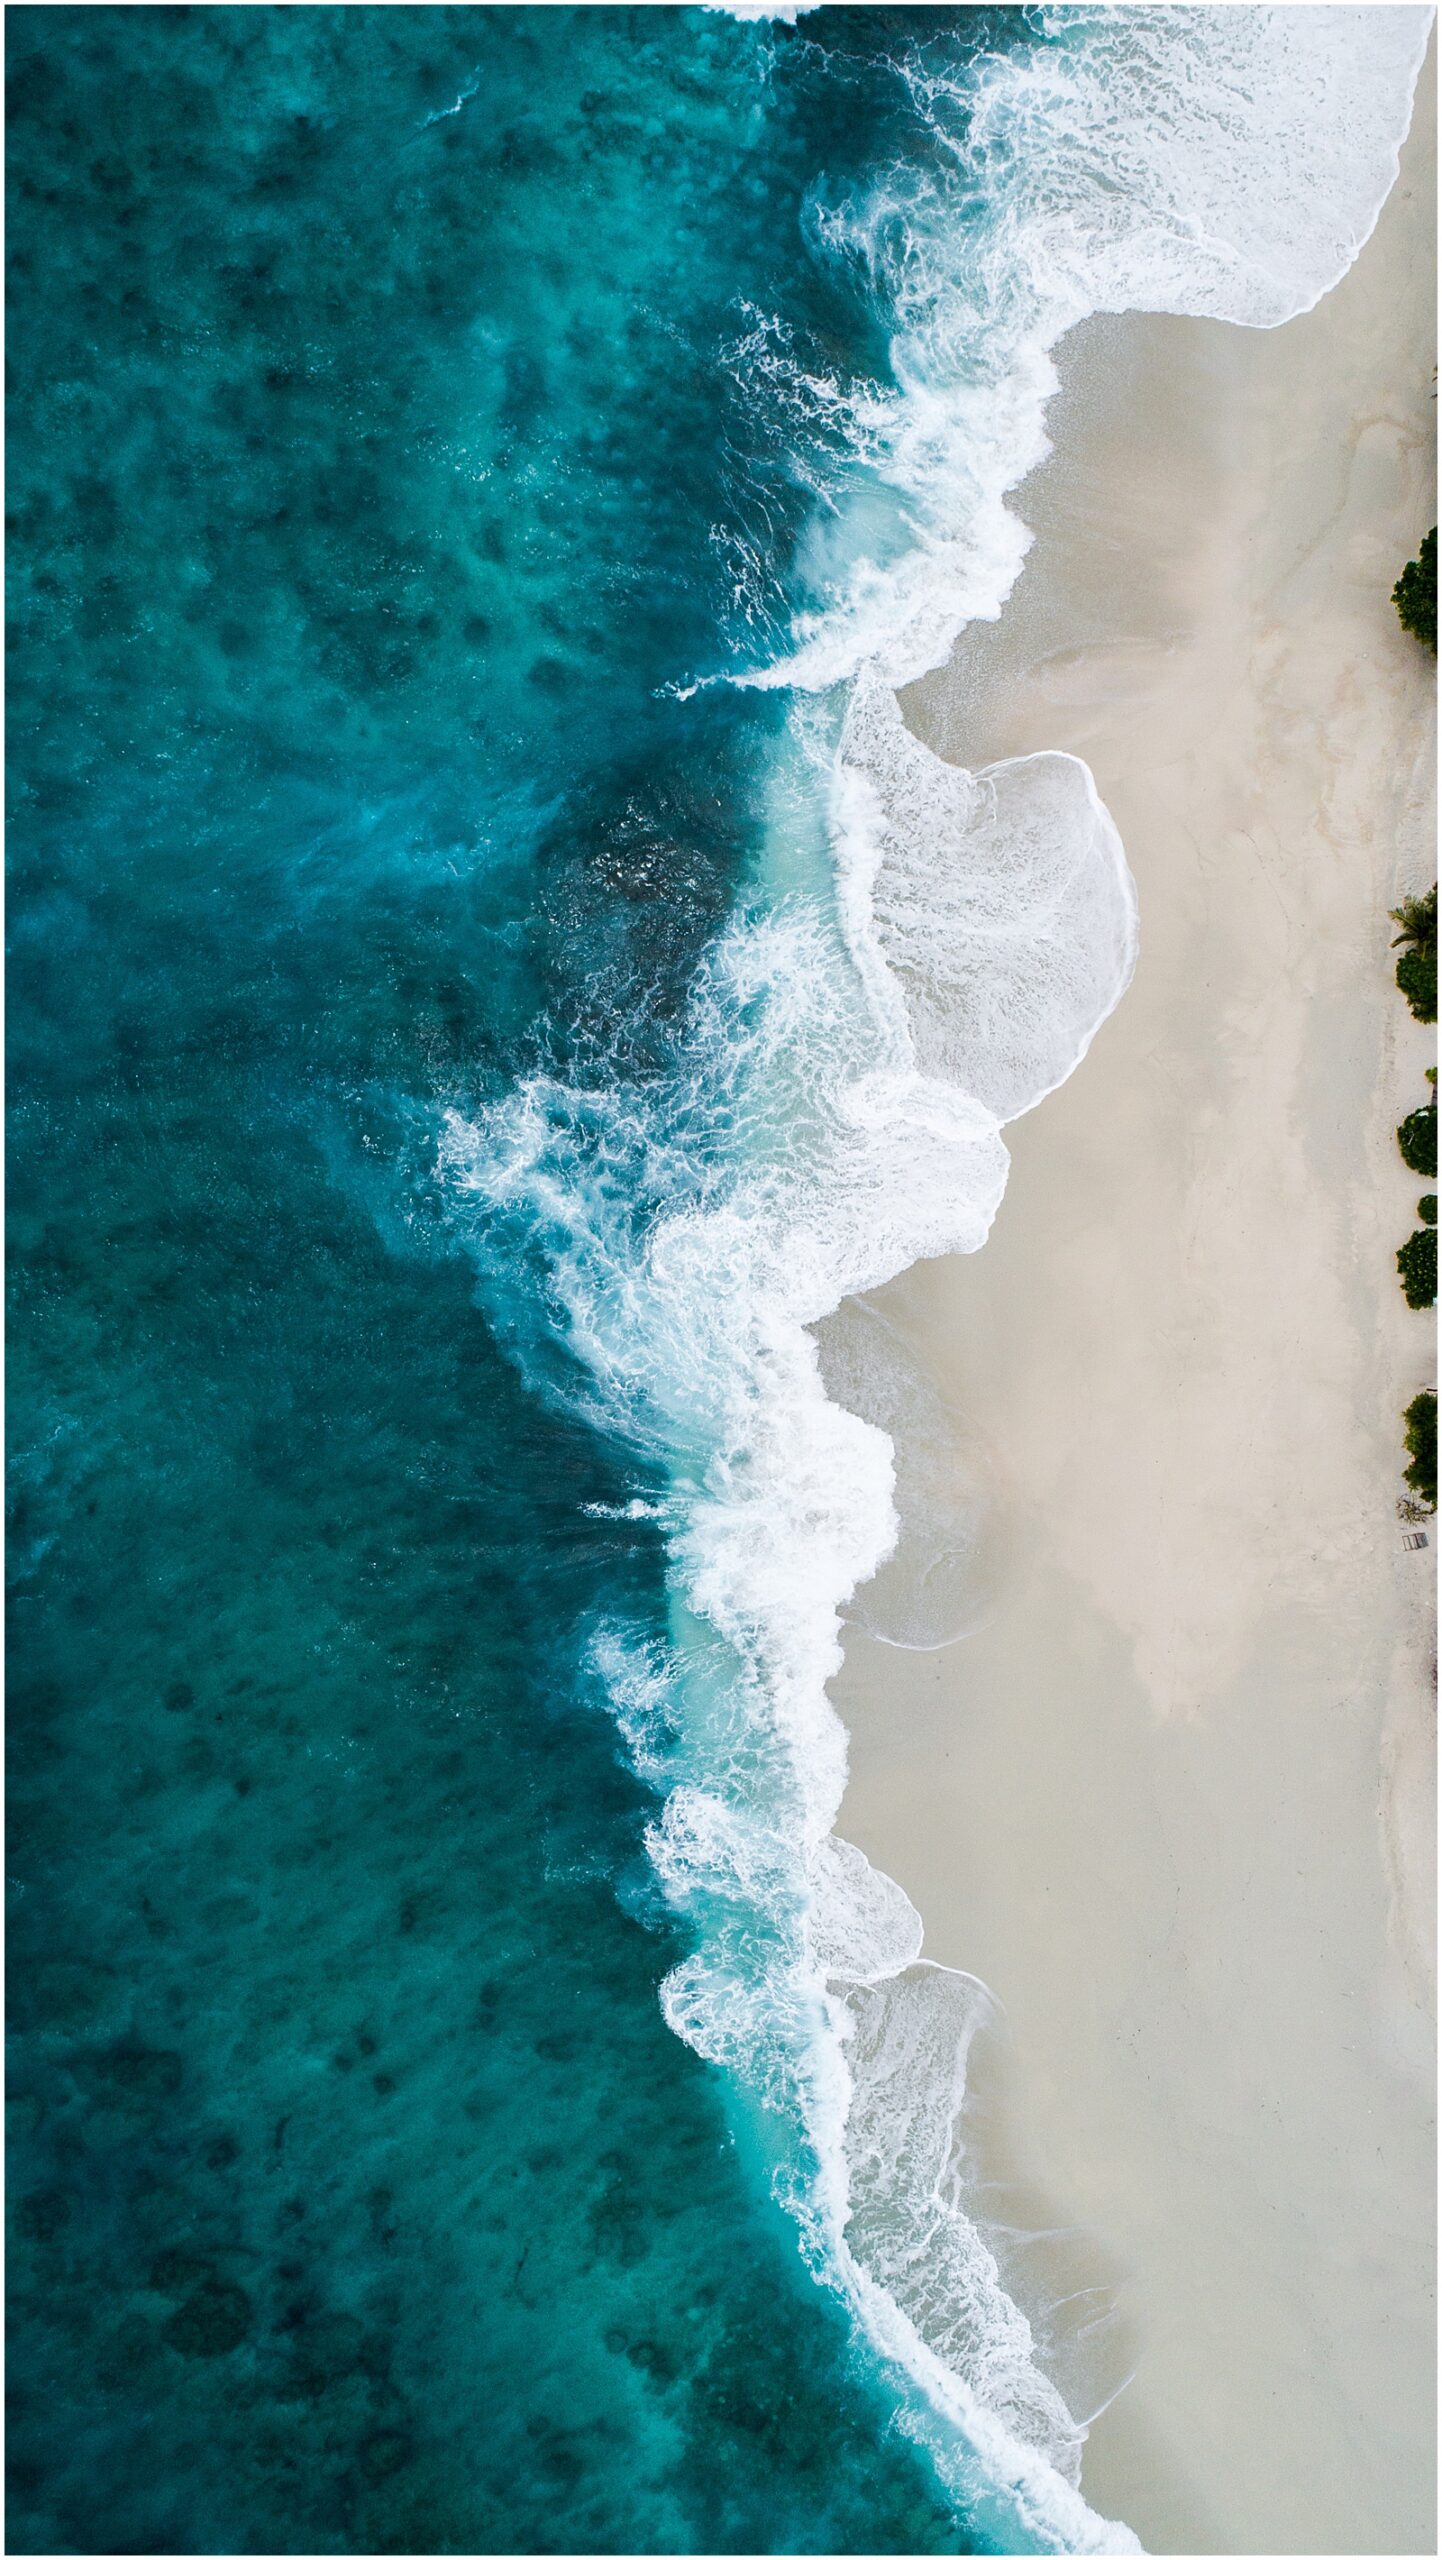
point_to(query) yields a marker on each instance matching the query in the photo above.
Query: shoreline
(1172, 1799)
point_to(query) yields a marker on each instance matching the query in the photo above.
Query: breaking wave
(926, 955)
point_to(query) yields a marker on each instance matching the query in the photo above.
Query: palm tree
(1417, 968)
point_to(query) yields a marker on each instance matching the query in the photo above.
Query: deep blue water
(371, 419)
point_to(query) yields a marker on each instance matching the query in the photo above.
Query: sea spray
(925, 954)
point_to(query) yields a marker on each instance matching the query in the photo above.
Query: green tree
(1417, 1263)
(1415, 594)
(1417, 978)
(1427, 1208)
(1417, 1138)
(1417, 968)
(1421, 1421)
(1418, 919)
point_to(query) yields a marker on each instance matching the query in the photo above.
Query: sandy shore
(1173, 1802)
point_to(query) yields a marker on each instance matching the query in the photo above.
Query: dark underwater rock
(42, 2216)
(178, 2271)
(215, 2320)
(383, 2454)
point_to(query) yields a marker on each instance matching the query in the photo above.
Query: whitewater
(923, 955)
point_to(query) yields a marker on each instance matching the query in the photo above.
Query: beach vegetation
(1417, 978)
(1417, 968)
(1420, 1420)
(1415, 594)
(1417, 1264)
(1417, 1138)
(1427, 1208)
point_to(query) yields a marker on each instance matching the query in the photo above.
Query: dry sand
(1174, 1801)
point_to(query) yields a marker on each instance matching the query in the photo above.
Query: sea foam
(1222, 163)
(856, 1042)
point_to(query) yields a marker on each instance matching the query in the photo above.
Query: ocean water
(490, 970)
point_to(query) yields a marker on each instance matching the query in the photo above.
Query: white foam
(998, 904)
(1222, 162)
(863, 1925)
(950, 1561)
(907, 2041)
(788, 11)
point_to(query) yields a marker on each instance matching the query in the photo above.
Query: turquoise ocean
(490, 970)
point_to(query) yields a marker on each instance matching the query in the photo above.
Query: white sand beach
(1173, 1802)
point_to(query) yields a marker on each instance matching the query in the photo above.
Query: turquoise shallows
(379, 385)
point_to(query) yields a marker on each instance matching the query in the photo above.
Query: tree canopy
(1417, 968)
(1417, 1263)
(1415, 594)
(1417, 1138)
(1421, 1421)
